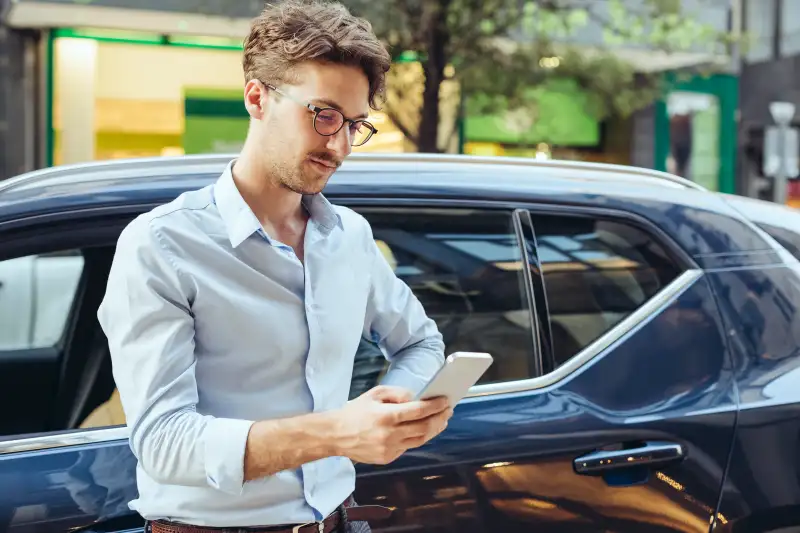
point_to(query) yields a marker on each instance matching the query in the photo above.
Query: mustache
(327, 158)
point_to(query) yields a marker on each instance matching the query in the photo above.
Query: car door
(624, 424)
(465, 266)
(62, 468)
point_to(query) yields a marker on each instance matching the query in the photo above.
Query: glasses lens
(328, 121)
(360, 132)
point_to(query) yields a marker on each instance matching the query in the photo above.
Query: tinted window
(596, 273)
(465, 268)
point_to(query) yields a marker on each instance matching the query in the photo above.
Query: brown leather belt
(361, 513)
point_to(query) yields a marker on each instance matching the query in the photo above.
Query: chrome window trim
(638, 317)
(602, 343)
(527, 265)
(536, 290)
(61, 440)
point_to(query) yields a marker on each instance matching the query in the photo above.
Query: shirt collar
(240, 221)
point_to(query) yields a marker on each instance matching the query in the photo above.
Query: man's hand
(381, 424)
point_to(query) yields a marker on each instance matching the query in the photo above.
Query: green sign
(560, 115)
(216, 121)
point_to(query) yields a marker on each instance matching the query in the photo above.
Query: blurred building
(770, 72)
(125, 78)
(86, 80)
(691, 132)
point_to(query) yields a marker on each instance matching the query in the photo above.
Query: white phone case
(461, 370)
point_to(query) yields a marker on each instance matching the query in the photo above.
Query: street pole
(781, 180)
(782, 113)
(779, 193)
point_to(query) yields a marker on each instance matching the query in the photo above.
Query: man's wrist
(329, 423)
(276, 445)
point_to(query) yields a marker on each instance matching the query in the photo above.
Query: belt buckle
(320, 525)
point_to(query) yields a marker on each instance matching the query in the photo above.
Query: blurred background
(701, 88)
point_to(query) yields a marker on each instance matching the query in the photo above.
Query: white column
(76, 81)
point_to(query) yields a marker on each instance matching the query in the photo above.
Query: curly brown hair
(293, 31)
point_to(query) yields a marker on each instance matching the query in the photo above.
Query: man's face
(293, 152)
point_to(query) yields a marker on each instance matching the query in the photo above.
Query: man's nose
(341, 143)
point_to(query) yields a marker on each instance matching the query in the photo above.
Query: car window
(465, 268)
(786, 238)
(596, 273)
(36, 295)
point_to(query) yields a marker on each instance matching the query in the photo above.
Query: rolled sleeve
(397, 321)
(146, 316)
(225, 442)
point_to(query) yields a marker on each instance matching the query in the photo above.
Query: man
(234, 312)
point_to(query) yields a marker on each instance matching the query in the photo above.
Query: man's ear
(255, 99)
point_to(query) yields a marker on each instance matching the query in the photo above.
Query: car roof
(764, 212)
(144, 168)
(159, 179)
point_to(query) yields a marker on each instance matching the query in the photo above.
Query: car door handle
(650, 454)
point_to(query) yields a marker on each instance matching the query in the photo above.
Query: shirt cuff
(225, 442)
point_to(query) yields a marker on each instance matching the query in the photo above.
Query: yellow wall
(131, 96)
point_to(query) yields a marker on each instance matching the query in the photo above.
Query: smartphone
(461, 370)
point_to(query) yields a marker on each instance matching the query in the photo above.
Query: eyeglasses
(328, 121)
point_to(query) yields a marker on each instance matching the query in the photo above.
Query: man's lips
(323, 162)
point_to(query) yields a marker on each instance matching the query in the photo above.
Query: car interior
(54, 387)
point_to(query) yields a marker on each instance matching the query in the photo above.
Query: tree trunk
(436, 38)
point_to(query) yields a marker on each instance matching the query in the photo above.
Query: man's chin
(310, 185)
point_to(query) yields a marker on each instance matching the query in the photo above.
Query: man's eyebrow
(331, 103)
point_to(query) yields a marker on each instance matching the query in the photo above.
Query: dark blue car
(646, 336)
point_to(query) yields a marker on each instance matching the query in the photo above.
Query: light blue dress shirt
(212, 326)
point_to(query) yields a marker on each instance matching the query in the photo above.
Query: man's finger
(420, 410)
(411, 430)
(434, 418)
(390, 394)
(419, 433)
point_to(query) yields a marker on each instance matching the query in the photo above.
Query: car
(646, 336)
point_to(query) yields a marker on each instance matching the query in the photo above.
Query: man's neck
(275, 206)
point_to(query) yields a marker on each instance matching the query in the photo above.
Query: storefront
(695, 129)
(693, 133)
(119, 95)
(123, 82)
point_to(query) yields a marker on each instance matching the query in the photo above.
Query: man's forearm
(285, 444)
